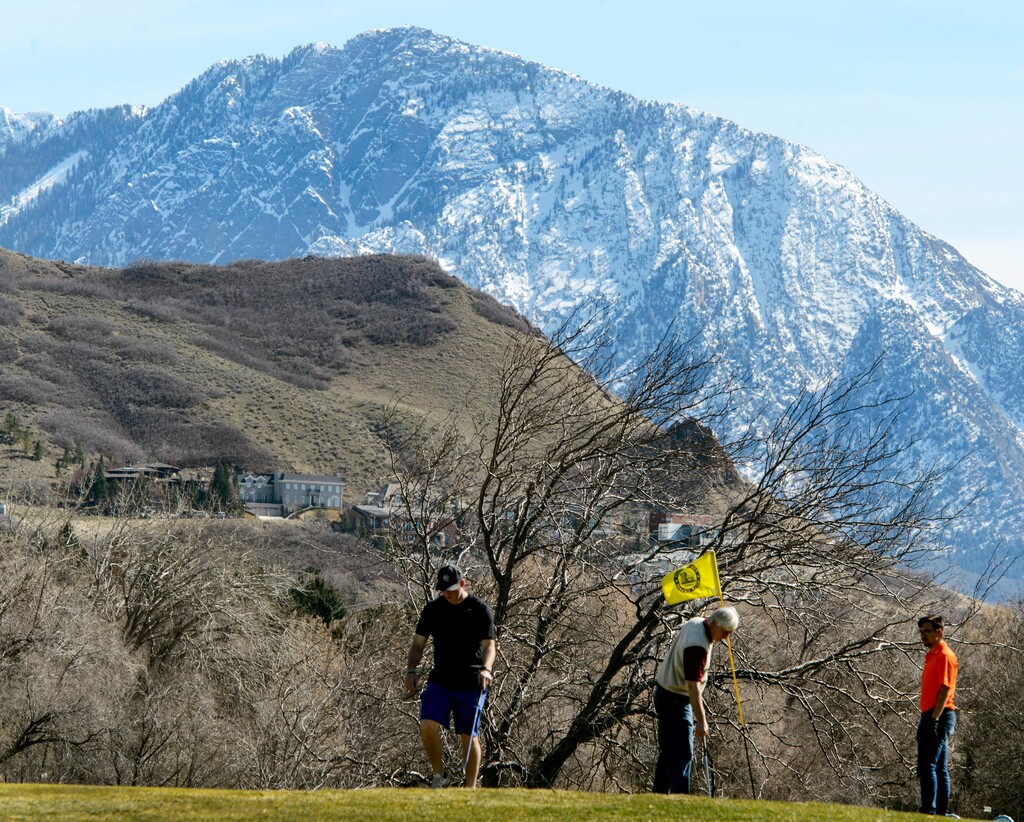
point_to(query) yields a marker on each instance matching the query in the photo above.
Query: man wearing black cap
(463, 630)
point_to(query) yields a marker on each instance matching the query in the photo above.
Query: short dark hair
(934, 619)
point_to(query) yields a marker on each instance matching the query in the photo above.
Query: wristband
(412, 671)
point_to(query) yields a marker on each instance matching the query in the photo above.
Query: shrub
(258, 359)
(150, 351)
(35, 343)
(92, 430)
(68, 388)
(73, 287)
(77, 328)
(11, 312)
(207, 443)
(155, 311)
(8, 351)
(120, 388)
(490, 309)
(27, 389)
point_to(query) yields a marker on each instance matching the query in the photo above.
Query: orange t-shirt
(939, 669)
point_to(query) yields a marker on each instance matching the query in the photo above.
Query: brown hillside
(269, 365)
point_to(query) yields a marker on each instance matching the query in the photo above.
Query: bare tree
(60, 665)
(164, 655)
(553, 483)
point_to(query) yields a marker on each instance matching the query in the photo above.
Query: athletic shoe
(438, 781)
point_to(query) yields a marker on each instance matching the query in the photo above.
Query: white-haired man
(679, 696)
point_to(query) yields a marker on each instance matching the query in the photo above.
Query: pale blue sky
(922, 99)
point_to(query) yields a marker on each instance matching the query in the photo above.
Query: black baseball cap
(448, 578)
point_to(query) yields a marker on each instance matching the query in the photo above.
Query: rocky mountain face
(551, 194)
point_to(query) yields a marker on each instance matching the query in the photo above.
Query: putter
(707, 770)
(476, 727)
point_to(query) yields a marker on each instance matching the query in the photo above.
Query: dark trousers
(675, 741)
(932, 748)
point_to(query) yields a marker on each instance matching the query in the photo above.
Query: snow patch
(55, 176)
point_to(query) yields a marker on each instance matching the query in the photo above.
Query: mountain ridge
(551, 193)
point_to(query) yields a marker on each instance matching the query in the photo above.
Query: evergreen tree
(223, 489)
(68, 539)
(12, 428)
(64, 461)
(318, 598)
(99, 490)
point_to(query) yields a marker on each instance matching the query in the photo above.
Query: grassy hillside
(71, 803)
(269, 365)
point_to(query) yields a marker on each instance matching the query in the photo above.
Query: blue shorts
(439, 702)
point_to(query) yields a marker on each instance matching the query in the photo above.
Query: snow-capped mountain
(548, 192)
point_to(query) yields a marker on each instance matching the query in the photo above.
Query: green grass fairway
(71, 803)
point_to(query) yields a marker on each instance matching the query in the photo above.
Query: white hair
(726, 618)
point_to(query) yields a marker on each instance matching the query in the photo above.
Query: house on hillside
(373, 516)
(383, 513)
(135, 486)
(685, 530)
(369, 519)
(283, 493)
(256, 492)
(192, 481)
(387, 496)
(298, 491)
(158, 473)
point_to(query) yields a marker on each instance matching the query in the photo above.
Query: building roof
(143, 468)
(309, 477)
(374, 510)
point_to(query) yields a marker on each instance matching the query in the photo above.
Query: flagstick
(736, 687)
(743, 727)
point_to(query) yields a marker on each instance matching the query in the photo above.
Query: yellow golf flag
(693, 581)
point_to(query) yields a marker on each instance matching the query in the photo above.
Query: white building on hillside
(282, 493)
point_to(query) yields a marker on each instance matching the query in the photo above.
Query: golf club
(476, 727)
(707, 769)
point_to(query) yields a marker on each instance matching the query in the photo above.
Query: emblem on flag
(693, 581)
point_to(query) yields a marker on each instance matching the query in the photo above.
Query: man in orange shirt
(938, 716)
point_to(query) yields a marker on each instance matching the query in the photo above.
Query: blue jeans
(931, 761)
(675, 741)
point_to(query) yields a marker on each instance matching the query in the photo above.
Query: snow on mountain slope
(16, 127)
(549, 192)
(54, 176)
